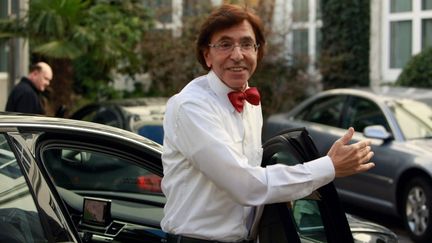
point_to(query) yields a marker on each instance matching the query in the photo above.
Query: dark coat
(25, 98)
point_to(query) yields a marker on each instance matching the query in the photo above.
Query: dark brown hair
(224, 17)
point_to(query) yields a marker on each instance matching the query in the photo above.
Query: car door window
(19, 219)
(107, 174)
(362, 113)
(77, 169)
(308, 219)
(317, 217)
(304, 213)
(327, 111)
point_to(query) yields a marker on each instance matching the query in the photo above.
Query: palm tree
(63, 32)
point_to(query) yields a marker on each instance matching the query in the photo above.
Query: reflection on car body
(64, 162)
(398, 121)
(21, 218)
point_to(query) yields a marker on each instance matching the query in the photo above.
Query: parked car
(398, 121)
(75, 181)
(143, 116)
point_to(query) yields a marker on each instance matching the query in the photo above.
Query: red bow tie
(237, 98)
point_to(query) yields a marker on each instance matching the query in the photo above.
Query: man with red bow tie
(212, 144)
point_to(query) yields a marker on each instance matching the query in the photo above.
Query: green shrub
(345, 48)
(418, 71)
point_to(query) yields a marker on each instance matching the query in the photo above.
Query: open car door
(318, 217)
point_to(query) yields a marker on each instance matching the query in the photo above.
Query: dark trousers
(184, 239)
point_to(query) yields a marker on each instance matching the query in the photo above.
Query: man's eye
(225, 45)
(247, 45)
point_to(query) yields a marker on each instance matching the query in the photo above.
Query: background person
(212, 149)
(26, 95)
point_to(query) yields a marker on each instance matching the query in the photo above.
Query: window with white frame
(407, 28)
(192, 8)
(169, 13)
(306, 31)
(163, 12)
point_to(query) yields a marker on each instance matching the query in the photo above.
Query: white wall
(3, 90)
(376, 41)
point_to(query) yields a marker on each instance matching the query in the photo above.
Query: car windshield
(414, 118)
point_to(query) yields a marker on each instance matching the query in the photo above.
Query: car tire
(417, 210)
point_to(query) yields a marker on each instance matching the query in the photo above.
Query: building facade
(399, 30)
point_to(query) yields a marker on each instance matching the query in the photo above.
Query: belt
(184, 239)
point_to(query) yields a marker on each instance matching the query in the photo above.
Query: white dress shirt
(211, 161)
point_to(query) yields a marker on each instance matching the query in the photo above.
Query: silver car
(398, 121)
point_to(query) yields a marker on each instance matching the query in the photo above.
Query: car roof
(386, 92)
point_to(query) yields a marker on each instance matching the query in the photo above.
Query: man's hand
(349, 159)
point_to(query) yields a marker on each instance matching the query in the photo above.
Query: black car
(64, 180)
(398, 121)
(143, 116)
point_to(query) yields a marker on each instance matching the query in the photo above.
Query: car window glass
(325, 111)
(308, 220)
(362, 113)
(305, 212)
(19, 219)
(414, 118)
(75, 169)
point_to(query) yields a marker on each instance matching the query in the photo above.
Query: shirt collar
(220, 89)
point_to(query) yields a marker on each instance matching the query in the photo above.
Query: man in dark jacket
(26, 95)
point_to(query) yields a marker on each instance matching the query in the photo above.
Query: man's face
(42, 79)
(234, 67)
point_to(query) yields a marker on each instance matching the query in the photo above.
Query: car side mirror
(377, 132)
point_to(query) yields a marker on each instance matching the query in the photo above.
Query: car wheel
(417, 209)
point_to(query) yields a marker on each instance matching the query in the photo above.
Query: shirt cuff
(322, 170)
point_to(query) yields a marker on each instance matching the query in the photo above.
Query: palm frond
(59, 49)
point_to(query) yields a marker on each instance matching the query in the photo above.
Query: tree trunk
(61, 88)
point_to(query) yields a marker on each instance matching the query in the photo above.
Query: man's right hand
(349, 159)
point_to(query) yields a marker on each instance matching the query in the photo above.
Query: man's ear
(206, 54)
(33, 74)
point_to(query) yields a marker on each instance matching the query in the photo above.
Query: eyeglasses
(227, 46)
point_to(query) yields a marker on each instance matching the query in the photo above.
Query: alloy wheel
(417, 211)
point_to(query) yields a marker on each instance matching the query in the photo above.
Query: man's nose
(236, 53)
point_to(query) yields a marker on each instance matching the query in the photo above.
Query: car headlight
(374, 238)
